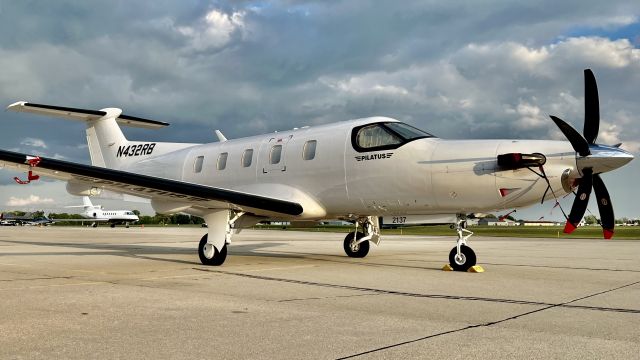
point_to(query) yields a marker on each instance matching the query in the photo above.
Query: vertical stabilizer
(87, 202)
(104, 137)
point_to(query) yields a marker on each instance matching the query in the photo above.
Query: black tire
(468, 258)
(358, 251)
(113, 225)
(218, 257)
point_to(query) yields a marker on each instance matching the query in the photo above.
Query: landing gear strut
(356, 243)
(462, 257)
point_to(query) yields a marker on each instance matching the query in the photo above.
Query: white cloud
(34, 142)
(530, 116)
(215, 30)
(598, 51)
(612, 22)
(363, 85)
(31, 200)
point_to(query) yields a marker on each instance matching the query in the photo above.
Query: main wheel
(352, 249)
(113, 225)
(209, 255)
(466, 260)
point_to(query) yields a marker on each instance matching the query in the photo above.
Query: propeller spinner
(592, 159)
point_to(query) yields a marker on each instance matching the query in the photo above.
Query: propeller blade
(604, 206)
(591, 108)
(580, 145)
(580, 202)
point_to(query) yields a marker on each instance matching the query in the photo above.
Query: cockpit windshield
(408, 132)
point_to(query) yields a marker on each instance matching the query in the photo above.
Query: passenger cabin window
(197, 165)
(276, 154)
(247, 157)
(222, 161)
(309, 150)
(375, 135)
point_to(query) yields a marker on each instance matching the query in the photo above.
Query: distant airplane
(25, 220)
(96, 213)
(356, 171)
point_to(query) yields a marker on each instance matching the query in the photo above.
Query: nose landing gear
(462, 257)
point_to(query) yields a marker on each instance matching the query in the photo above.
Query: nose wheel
(462, 257)
(464, 260)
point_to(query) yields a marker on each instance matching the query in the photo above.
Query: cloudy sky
(479, 69)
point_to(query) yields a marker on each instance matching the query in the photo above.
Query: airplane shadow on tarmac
(155, 252)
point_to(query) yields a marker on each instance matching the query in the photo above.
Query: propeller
(594, 159)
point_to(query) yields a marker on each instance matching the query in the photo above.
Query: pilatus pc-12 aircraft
(358, 171)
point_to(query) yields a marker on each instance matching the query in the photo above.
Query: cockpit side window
(384, 136)
(373, 136)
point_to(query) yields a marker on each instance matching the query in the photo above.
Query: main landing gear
(462, 257)
(356, 243)
(209, 255)
(212, 249)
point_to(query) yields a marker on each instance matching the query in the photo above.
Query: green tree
(590, 220)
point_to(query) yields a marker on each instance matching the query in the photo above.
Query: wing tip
(17, 104)
(608, 233)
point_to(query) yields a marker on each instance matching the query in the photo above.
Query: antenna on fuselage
(220, 136)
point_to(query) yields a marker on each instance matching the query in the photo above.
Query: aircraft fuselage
(422, 176)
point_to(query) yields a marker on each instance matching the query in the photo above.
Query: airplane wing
(160, 189)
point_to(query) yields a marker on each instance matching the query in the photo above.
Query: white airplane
(97, 213)
(356, 170)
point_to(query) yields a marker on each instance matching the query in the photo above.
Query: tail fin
(87, 202)
(108, 146)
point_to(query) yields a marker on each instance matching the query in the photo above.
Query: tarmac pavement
(79, 293)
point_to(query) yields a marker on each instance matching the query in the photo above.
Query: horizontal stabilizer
(83, 114)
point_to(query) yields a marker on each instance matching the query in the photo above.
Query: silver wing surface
(158, 189)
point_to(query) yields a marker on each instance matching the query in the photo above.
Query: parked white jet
(355, 170)
(97, 213)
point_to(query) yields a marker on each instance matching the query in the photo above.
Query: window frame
(279, 154)
(198, 164)
(222, 155)
(304, 149)
(244, 155)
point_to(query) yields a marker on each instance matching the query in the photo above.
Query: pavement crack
(326, 297)
(563, 267)
(39, 278)
(432, 296)
(486, 324)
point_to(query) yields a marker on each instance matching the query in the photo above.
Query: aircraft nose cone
(604, 159)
